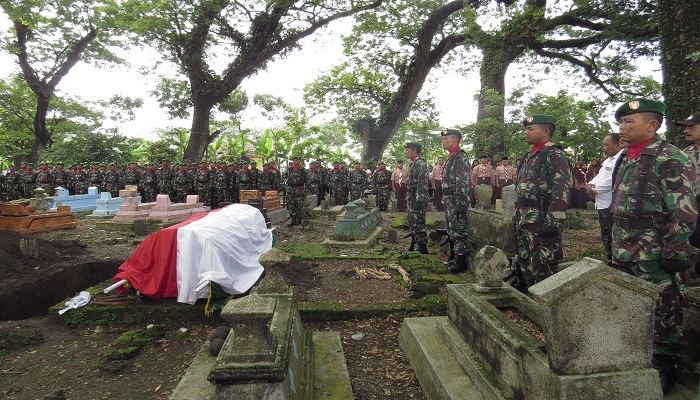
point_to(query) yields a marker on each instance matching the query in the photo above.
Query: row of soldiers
(345, 184)
(213, 182)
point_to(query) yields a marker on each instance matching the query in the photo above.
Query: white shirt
(603, 183)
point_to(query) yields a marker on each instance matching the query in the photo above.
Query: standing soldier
(381, 180)
(60, 177)
(296, 182)
(12, 184)
(265, 179)
(417, 186)
(357, 179)
(110, 181)
(233, 183)
(338, 185)
(245, 177)
(542, 195)
(221, 184)
(325, 181)
(202, 182)
(44, 179)
(654, 213)
(95, 176)
(132, 176)
(79, 179)
(180, 184)
(315, 181)
(436, 180)
(255, 173)
(455, 198)
(28, 182)
(149, 183)
(165, 179)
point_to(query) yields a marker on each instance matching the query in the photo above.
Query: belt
(628, 223)
(529, 203)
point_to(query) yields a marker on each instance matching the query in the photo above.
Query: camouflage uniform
(455, 199)
(79, 181)
(381, 180)
(94, 178)
(201, 183)
(542, 195)
(132, 176)
(357, 179)
(43, 180)
(653, 219)
(110, 183)
(180, 186)
(149, 183)
(338, 186)
(315, 183)
(246, 180)
(417, 185)
(60, 178)
(165, 176)
(3, 188)
(12, 185)
(221, 180)
(234, 193)
(265, 180)
(28, 180)
(296, 182)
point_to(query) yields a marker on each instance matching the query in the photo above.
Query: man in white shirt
(601, 187)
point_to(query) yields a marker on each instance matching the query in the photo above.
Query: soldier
(339, 184)
(180, 184)
(654, 213)
(233, 183)
(255, 173)
(245, 177)
(265, 179)
(28, 182)
(165, 180)
(110, 181)
(132, 176)
(542, 195)
(44, 179)
(3, 187)
(296, 190)
(94, 176)
(691, 128)
(12, 184)
(455, 198)
(357, 182)
(221, 182)
(149, 183)
(314, 185)
(417, 186)
(60, 176)
(381, 181)
(79, 179)
(202, 182)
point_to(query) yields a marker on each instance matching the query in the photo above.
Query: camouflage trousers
(415, 219)
(295, 201)
(340, 195)
(204, 195)
(315, 189)
(13, 192)
(149, 194)
(456, 225)
(538, 256)
(180, 194)
(81, 188)
(383, 197)
(112, 188)
(356, 192)
(668, 317)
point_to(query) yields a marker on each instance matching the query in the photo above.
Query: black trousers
(606, 221)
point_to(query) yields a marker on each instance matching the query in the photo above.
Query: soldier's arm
(560, 179)
(463, 177)
(678, 190)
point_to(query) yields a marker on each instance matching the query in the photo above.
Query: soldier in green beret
(381, 181)
(295, 190)
(455, 198)
(654, 213)
(542, 188)
(417, 186)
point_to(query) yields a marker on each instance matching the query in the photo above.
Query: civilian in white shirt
(601, 188)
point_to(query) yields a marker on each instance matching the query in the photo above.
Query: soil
(40, 357)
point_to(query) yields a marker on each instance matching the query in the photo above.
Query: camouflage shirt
(418, 180)
(455, 178)
(653, 217)
(545, 184)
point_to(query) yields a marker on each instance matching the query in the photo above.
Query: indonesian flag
(221, 246)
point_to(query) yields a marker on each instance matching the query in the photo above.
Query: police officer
(296, 190)
(417, 186)
(542, 190)
(455, 197)
(654, 213)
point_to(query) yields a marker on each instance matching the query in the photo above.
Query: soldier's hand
(672, 265)
(460, 209)
(547, 231)
(418, 205)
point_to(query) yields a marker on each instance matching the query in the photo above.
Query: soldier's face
(692, 133)
(535, 134)
(409, 152)
(449, 141)
(635, 128)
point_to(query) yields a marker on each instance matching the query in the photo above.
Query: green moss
(131, 343)
(19, 338)
(119, 354)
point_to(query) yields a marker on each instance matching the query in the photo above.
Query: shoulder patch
(673, 173)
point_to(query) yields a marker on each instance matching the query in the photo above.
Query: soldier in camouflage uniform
(132, 176)
(417, 185)
(12, 184)
(381, 181)
(44, 179)
(315, 180)
(79, 179)
(180, 184)
(149, 183)
(165, 176)
(94, 176)
(202, 181)
(245, 177)
(28, 181)
(357, 180)
(221, 181)
(295, 190)
(3, 188)
(542, 192)
(61, 177)
(654, 213)
(455, 198)
(339, 185)
(265, 179)
(110, 181)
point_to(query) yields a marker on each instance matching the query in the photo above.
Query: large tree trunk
(374, 140)
(199, 137)
(41, 134)
(680, 48)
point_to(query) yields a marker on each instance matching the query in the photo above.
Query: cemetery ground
(43, 356)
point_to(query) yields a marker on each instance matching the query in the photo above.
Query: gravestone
(508, 197)
(483, 194)
(358, 227)
(79, 202)
(40, 201)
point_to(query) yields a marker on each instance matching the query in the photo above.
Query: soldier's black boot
(460, 264)
(665, 366)
(422, 248)
(451, 259)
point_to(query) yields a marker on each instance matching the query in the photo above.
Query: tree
(239, 38)
(50, 38)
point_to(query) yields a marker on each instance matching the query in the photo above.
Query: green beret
(296, 158)
(381, 163)
(539, 119)
(413, 145)
(640, 105)
(446, 132)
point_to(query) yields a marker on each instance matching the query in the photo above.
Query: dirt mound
(15, 263)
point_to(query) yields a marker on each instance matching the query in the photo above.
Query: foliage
(91, 146)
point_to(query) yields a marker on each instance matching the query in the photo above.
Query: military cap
(504, 159)
(399, 161)
(381, 163)
(640, 105)
(693, 119)
(413, 145)
(482, 156)
(539, 119)
(446, 132)
(296, 158)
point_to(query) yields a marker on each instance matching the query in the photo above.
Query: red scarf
(452, 150)
(636, 148)
(538, 146)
